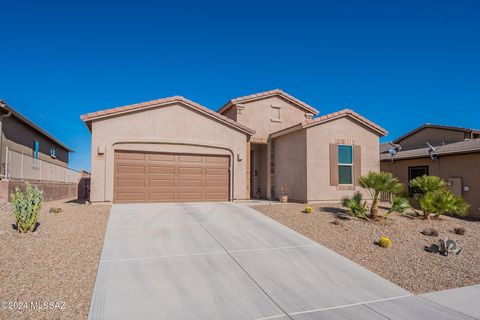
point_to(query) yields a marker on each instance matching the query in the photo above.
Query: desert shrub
(26, 206)
(377, 184)
(355, 206)
(308, 209)
(384, 242)
(399, 205)
(430, 232)
(425, 184)
(441, 202)
(460, 230)
(434, 197)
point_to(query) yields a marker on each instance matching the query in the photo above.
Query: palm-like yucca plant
(440, 202)
(425, 184)
(378, 183)
(355, 206)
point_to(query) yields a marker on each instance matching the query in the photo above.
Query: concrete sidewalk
(227, 261)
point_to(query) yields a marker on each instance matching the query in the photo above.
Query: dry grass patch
(56, 263)
(406, 263)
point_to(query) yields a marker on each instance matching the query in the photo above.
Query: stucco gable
(267, 94)
(165, 102)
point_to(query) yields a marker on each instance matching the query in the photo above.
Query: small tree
(378, 183)
(434, 197)
(26, 206)
(399, 204)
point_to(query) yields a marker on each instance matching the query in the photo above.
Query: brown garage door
(167, 177)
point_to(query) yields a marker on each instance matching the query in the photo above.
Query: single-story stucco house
(174, 150)
(452, 153)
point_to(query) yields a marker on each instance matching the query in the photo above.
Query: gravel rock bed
(406, 263)
(56, 263)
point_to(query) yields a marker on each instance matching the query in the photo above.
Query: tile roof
(330, 117)
(266, 94)
(87, 118)
(25, 120)
(467, 146)
(436, 126)
(346, 113)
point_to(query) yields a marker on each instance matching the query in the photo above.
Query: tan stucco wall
(434, 136)
(290, 165)
(174, 128)
(466, 166)
(19, 137)
(258, 116)
(318, 162)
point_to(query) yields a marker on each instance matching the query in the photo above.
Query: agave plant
(440, 202)
(355, 205)
(378, 183)
(26, 206)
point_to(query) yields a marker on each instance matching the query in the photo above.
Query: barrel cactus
(385, 242)
(26, 206)
(308, 209)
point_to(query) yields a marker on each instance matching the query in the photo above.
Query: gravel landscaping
(406, 263)
(56, 264)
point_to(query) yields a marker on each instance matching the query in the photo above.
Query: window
(276, 114)
(53, 153)
(36, 149)
(414, 172)
(345, 164)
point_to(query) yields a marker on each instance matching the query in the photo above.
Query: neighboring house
(29, 153)
(452, 153)
(173, 150)
(21, 135)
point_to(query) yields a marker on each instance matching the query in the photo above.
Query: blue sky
(399, 63)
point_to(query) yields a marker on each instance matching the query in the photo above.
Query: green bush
(355, 207)
(425, 184)
(399, 204)
(441, 202)
(26, 206)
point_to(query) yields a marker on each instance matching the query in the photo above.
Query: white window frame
(345, 164)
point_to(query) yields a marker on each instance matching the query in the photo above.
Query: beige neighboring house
(452, 153)
(174, 150)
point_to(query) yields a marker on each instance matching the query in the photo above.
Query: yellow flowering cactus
(308, 209)
(385, 242)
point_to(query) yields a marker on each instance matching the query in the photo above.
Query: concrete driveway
(227, 261)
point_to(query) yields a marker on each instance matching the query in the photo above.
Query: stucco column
(269, 168)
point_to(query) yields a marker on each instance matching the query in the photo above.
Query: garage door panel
(130, 176)
(130, 182)
(130, 156)
(161, 182)
(162, 157)
(190, 158)
(157, 177)
(162, 196)
(161, 169)
(131, 169)
(131, 196)
(217, 160)
(216, 171)
(189, 183)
